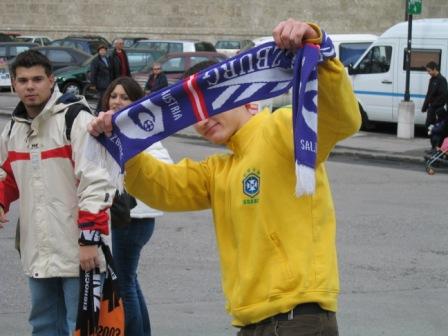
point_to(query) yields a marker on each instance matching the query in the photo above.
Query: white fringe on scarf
(99, 156)
(305, 180)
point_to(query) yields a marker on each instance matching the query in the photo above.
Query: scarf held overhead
(260, 73)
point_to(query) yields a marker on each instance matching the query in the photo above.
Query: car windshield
(89, 60)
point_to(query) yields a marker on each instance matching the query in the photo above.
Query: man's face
(119, 44)
(220, 128)
(33, 86)
(431, 72)
(102, 51)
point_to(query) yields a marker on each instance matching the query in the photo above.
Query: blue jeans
(54, 306)
(127, 242)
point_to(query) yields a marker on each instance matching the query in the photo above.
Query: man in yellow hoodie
(278, 253)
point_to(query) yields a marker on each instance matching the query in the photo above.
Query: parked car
(170, 46)
(9, 50)
(61, 57)
(76, 79)
(129, 41)
(175, 64)
(232, 47)
(41, 40)
(86, 45)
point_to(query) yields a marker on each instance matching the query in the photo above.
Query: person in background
(156, 80)
(64, 198)
(436, 96)
(100, 74)
(119, 60)
(277, 251)
(130, 235)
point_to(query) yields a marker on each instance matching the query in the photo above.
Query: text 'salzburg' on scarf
(260, 73)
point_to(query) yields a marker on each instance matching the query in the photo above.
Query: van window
(421, 57)
(377, 60)
(350, 52)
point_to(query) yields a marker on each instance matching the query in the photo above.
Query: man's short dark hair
(432, 65)
(28, 59)
(198, 67)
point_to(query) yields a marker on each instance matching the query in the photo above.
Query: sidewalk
(378, 146)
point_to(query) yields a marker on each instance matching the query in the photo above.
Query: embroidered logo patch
(251, 186)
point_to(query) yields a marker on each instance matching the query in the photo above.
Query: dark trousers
(99, 104)
(127, 243)
(317, 324)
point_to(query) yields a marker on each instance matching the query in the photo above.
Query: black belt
(301, 309)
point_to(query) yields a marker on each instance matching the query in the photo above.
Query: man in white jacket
(64, 199)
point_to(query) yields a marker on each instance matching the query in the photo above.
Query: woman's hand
(290, 34)
(101, 124)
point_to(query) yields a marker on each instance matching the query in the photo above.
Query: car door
(374, 81)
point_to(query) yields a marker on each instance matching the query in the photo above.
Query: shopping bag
(100, 313)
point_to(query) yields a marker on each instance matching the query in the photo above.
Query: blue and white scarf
(260, 73)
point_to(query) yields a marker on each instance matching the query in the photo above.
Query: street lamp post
(406, 108)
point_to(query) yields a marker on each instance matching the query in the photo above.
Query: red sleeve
(8, 187)
(90, 221)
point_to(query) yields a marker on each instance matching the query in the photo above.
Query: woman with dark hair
(131, 231)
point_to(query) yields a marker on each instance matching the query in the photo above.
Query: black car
(86, 45)
(9, 50)
(5, 38)
(61, 57)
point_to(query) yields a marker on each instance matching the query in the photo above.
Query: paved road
(392, 252)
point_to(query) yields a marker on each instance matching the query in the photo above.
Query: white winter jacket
(142, 210)
(61, 193)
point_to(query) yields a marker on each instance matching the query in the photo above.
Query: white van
(379, 76)
(348, 47)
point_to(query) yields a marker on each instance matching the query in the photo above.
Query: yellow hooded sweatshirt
(276, 250)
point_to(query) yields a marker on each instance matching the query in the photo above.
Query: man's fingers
(290, 34)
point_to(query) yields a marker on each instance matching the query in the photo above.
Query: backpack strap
(10, 127)
(73, 110)
(70, 116)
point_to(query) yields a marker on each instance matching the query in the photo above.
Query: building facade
(202, 19)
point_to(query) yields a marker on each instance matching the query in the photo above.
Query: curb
(377, 156)
(350, 152)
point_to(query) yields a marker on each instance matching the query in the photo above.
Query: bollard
(406, 113)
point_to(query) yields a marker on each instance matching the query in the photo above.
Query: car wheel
(72, 87)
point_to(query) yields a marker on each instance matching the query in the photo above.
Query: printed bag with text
(100, 315)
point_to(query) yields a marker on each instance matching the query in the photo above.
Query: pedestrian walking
(132, 226)
(277, 250)
(100, 74)
(156, 80)
(119, 60)
(64, 198)
(436, 96)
